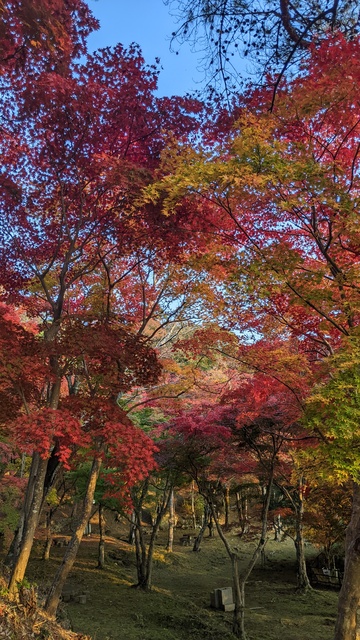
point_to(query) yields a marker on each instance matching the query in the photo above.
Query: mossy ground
(178, 606)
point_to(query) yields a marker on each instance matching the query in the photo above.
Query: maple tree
(278, 200)
(265, 413)
(328, 510)
(124, 449)
(244, 433)
(35, 36)
(205, 449)
(88, 419)
(294, 485)
(159, 487)
(333, 408)
(79, 143)
(272, 386)
(285, 187)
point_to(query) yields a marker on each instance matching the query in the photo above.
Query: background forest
(179, 282)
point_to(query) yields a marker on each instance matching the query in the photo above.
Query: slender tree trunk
(47, 547)
(239, 581)
(210, 525)
(101, 552)
(35, 492)
(170, 540)
(132, 529)
(145, 556)
(193, 512)
(277, 528)
(22, 468)
(227, 506)
(346, 627)
(266, 496)
(239, 506)
(14, 550)
(140, 550)
(242, 509)
(49, 536)
(136, 534)
(147, 584)
(200, 535)
(29, 506)
(32, 508)
(54, 594)
(50, 515)
(245, 504)
(303, 582)
(239, 600)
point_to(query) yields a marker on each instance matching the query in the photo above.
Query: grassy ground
(178, 606)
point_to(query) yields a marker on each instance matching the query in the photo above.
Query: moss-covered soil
(178, 607)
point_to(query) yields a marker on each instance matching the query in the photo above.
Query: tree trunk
(170, 540)
(47, 546)
(132, 529)
(30, 520)
(200, 535)
(277, 528)
(49, 536)
(54, 594)
(266, 493)
(226, 506)
(101, 551)
(145, 556)
(147, 584)
(239, 600)
(193, 513)
(14, 551)
(303, 582)
(349, 598)
(210, 526)
(37, 486)
(239, 506)
(239, 581)
(140, 550)
(23, 462)
(136, 534)
(242, 509)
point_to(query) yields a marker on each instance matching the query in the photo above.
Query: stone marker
(222, 599)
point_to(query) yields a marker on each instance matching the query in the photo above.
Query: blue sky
(149, 24)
